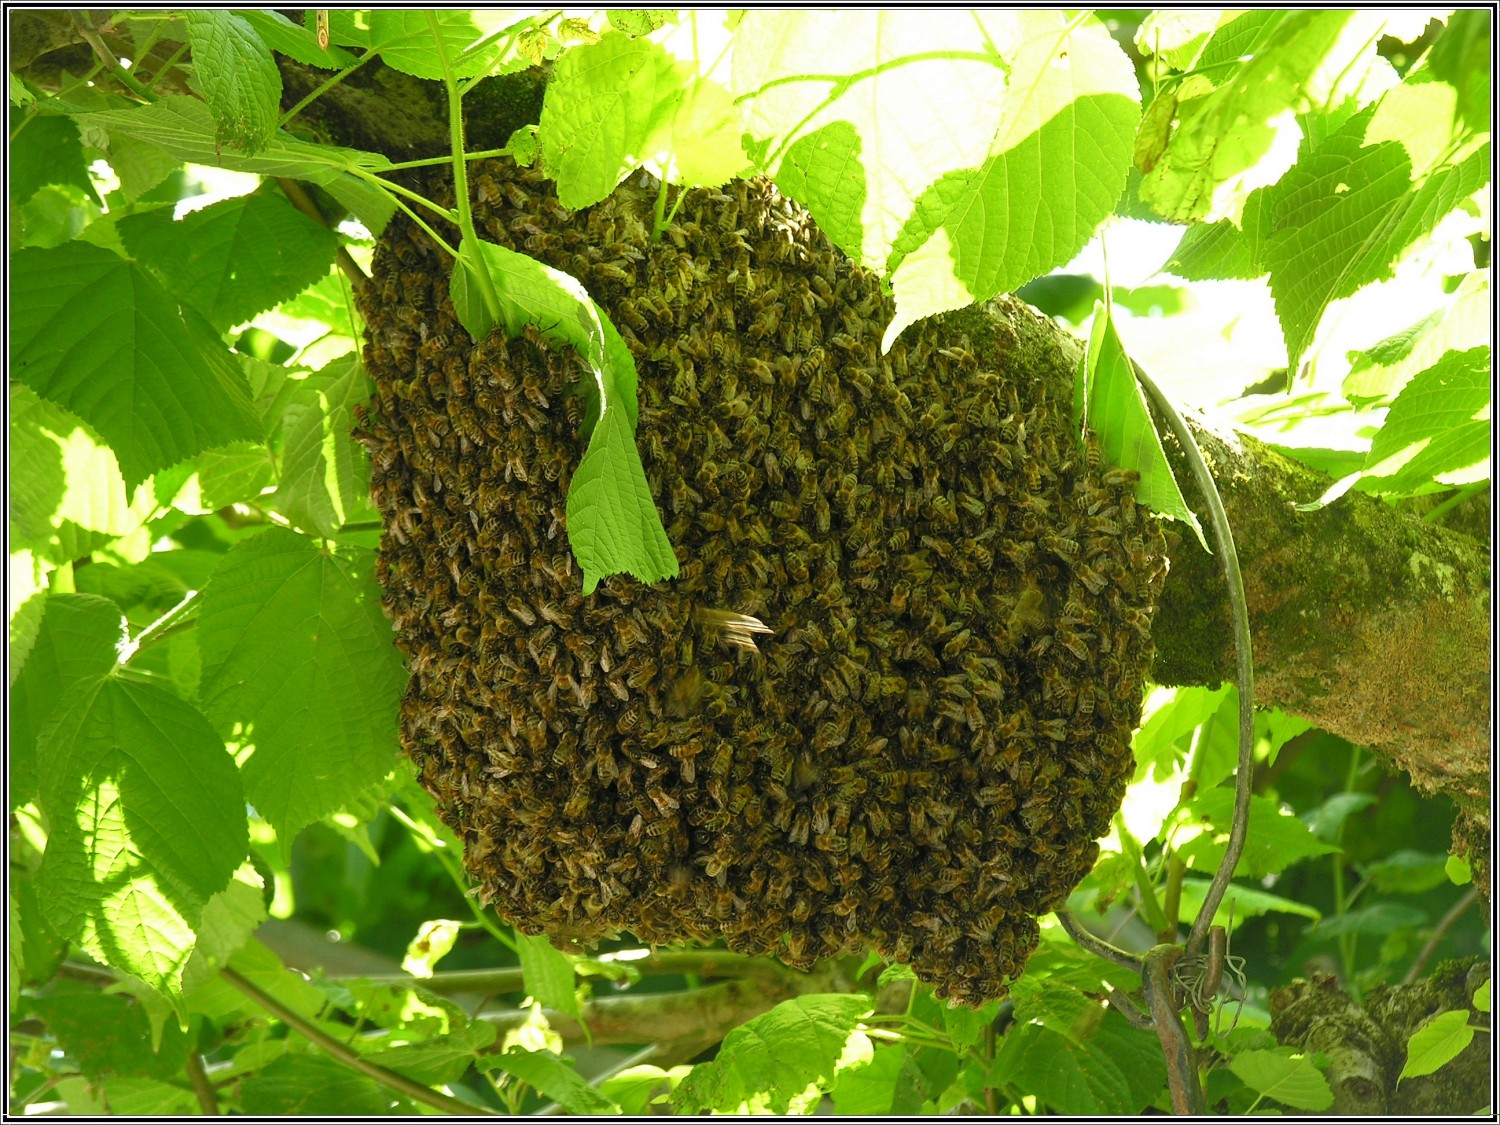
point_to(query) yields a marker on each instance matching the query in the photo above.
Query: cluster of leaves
(204, 688)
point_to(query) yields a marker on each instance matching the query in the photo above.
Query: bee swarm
(921, 756)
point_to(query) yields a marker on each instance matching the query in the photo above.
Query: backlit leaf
(238, 77)
(297, 652)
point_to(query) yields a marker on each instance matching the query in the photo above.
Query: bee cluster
(921, 754)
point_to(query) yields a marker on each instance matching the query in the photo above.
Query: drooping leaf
(1158, 741)
(75, 642)
(781, 1060)
(234, 259)
(404, 39)
(1407, 872)
(148, 823)
(1435, 1044)
(100, 337)
(613, 523)
(1116, 411)
(548, 974)
(296, 649)
(555, 1078)
(1377, 919)
(1241, 902)
(1289, 1078)
(238, 77)
(1438, 429)
(1275, 841)
(966, 1026)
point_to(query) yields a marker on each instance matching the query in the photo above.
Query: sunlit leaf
(237, 75)
(1289, 1078)
(1435, 1044)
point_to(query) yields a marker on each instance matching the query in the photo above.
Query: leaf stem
(166, 66)
(1244, 666)
(461, 173)
(350, 1058)
(322, 89)
(1457, 498)
(428, 162)
(90, 36)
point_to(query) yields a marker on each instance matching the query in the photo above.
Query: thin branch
(1439, 932)
(203, 1089)
(105, 55)
(1244, 666)
(352, 1059)
(1097, 946)
(304, 203)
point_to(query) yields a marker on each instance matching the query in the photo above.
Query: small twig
(352, 1059)
(97, 45)
(1244, 666)
(203, 1089)
(1439, 932)
(304, 203)
(1097, 946)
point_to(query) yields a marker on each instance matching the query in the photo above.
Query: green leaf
(148, 822)
(1116, 411)
(233, 474)
(548, 974)
(293, 40)
(1458, 870)
(1379, 373)
(890, 1083)
(1440, 1040)
(238, 77)
(1241, 134)
(1059, 1007)
(99, 336)
(1461, 58)
(604, 104)
(1289, 1078)
(1438, 429)
(296, 649)
(234, 259)
(183, 128)
(109, 1034)
(1344, 213)
(229, 919)
(324, 477)
(1407, 872)
(1276, 839)
(76, 642)
(1378, 919)
(48, 151)
(140, 165)
(1117, 1070)
(636, 22)
(404, 40)
(27, 595)
(613, 522)
(311, 1085)
(781, 1061)
(440, 1060)
(1241, 902)
(1327, 819)
(554, 1078)
(1482, 997)
(1159, 741)
(966, 1026)
(67, 496)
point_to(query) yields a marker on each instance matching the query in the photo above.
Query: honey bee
(1028, 614)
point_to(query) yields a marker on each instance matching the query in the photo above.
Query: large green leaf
(324, 477)
(890, 1083)
(234, 259)
(1275, 841)
(147, 819)
(298, 656)
(555, 1078)
(99, 336)
(67, 496)
(1379, 373)
(46, 150)
(76, 642)
(613, 522)
(780, 1061)
(1438, 429)
(548, 974)
(293, 40)
(312, 1085)
(1113, 1070)
(1289, 1078)
(237, 75)
(1236, 127)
